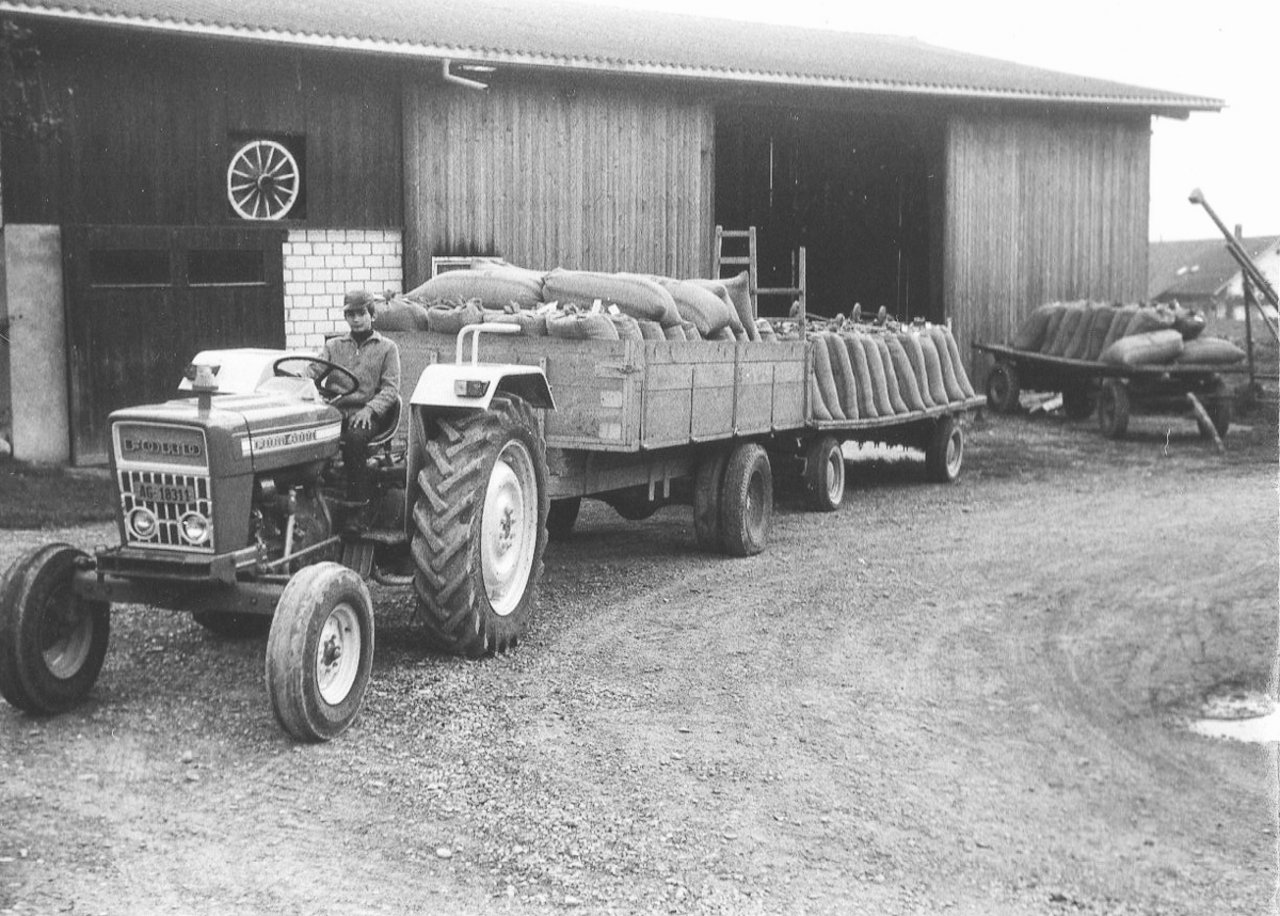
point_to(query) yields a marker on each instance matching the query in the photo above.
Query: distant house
(1203, 274)
(378, 136)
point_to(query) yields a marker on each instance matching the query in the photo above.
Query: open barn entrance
(862, 191)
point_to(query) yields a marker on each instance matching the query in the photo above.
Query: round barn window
(263, 180)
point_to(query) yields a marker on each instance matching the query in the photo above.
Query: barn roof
(552, 33)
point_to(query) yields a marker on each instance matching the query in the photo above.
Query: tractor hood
(227, 434)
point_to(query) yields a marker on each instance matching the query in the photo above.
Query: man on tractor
(375, 362)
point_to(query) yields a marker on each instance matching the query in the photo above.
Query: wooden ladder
(749, 261)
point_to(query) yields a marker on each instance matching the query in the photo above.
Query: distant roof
(552, 33)
(1200, 269)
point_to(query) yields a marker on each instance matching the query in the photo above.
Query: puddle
(1241, 717)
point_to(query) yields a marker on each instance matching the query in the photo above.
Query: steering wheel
(334, 382)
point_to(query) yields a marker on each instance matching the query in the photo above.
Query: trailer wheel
(747, 500)
(944, 453)
(52, 642)
(1217, 405)
(1077, 402)
(823, 474)
(231, 625)
(1003, 388)
(1113, 408)
(320, 651)
(481, 528)
(562, 516)
(708, 527)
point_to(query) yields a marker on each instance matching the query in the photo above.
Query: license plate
(164, 493)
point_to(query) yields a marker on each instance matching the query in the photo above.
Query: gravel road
(963, 699)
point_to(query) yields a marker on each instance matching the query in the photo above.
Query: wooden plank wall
(598, 178)
(1040, 209)
(149, 124)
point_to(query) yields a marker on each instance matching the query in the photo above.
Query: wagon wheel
(1003, 388)
(263, 180)
(1113, 408)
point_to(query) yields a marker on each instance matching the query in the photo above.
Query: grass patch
(48, 497)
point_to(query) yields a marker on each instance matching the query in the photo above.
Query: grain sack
(950, 383)
(890, 374)
(697, 304)
(675, 332)
(764, 329)
(1150, 348)
(1210, 351)
(495, 287)
(633, 294)
(450, 319)
(717, 288)
(1119, 325)
(581, 326)
(933, 370)
(690, 330)
(846, 381)
(1150, 318)
(1058, 311)
(853, 344)
(531, 322)
(908, 387)
(1104, 316)
(1079, 342)
(962, 374)
(915, 353)
(1072, 314)
(879, 384)
(739, 291)
(1188, 322)
(650, 330)
(820, 411)
(626, 327)
(400, 314)
(826, 378)
(1030, 334)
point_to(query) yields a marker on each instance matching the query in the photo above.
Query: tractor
(229, 507)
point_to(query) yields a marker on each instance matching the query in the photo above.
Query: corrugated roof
(575, 36)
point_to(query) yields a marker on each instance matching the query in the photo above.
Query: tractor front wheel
(320, 651)
(481, 528)
(52, 642)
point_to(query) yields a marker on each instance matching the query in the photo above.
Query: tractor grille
(168, 497)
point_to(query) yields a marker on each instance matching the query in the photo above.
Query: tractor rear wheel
(824, 474)
(320, 651)
(746, 501)
(481, 528)
(52, 642)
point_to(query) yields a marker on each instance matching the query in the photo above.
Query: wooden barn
(932, 182)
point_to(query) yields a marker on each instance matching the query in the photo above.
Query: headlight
(141, 523)
(195, 528)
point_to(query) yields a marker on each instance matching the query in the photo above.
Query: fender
(472, 385)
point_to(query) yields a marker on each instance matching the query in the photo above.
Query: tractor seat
(387, 426)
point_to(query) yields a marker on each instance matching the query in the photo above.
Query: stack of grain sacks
(1122, 335)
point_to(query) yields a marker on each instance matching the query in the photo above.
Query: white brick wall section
(321, 264)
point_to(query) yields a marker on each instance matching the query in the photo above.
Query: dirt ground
(941, 699)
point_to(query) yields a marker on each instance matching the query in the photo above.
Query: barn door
(142, 300)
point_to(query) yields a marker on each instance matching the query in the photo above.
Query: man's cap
(358, 298)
